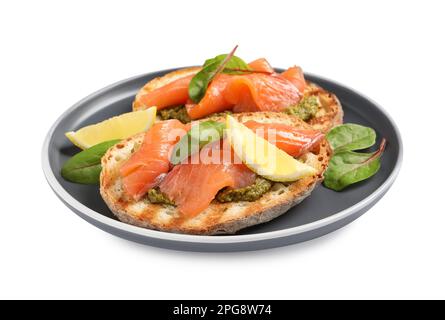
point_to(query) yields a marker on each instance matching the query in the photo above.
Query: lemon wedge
(119, 127)
(263, 157)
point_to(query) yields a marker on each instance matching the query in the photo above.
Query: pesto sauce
(305, 109)
(156, 196)
(177, 112)
(249, 193)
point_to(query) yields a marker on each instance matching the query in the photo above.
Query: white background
(53, 53)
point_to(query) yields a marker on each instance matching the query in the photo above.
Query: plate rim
(205, 239)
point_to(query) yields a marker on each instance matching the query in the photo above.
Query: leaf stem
(378, 153)
(227, 59)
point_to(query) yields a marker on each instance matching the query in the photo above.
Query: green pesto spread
(177, 112)
(156, 196)
(305, 109)
(249, 193)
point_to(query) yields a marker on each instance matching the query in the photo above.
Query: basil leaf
(348, 137)
(84, 167)
(212, 67)
(349, 167)
(196, 138)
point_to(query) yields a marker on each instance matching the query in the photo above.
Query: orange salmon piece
(291, 140)
(174, 93)
(193, 185)
(261, 92)
(144, 169)
(296, 76)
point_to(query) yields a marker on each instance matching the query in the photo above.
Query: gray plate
(324, 211)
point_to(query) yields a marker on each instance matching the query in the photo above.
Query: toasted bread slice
(218, 218)
(329, 115)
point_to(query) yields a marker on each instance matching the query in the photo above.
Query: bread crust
(328, 116)
(218, 218)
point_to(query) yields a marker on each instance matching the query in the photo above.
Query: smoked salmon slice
(213, 101)
(291, 140)
(246, 93)
(261, 65)
(174, 93)
(261, 92)
(144, 169)
(251, 92)
(296, 76)
(193, 185)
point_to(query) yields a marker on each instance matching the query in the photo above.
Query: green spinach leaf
(235, 65)
(348, 137)
(85, 167)
(212, 67)
(196, 138)
(348, 167)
